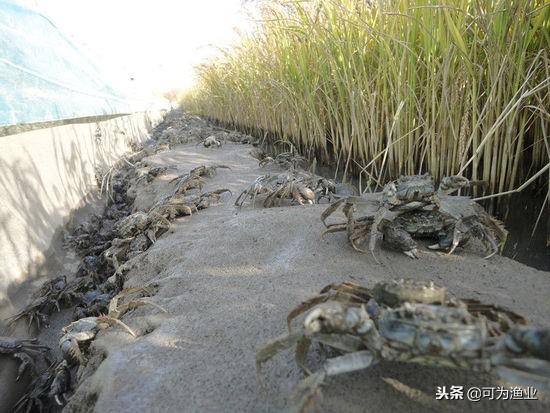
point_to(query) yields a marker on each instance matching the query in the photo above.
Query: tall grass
(394, 87)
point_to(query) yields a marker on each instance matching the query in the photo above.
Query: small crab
(121, 303)
(259, 186)
(258, 154)
(409, 193)
(51, 296)
(325, 188)
(151, 224)
(23, 349)
(286, 160)
(151, 173)
(51, 385)
(187, 182)
(212, 141)
(37, 395)
(94, 303)
(203, 201)
(208, 171)
(193, 179)
(414, 322)
(85, 329)
(289, 186)
(117, 253)
(61, 383)
(298, 186)
(176, 206)
(398, 239)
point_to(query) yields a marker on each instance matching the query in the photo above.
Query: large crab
(411, 208)
(411, 322)
(23, 349)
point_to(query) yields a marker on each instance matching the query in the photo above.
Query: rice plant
(389, 87)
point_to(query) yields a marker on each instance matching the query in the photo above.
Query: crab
(23, 349)
(94, 303)
(38, 394)
(212, 140)
(203, 200)
(412, 206)
(117, 253)
(290, 186)
(286, 160)
(52, 384)
(61, 382)
(409, 321)
(193, 179)
(176, 206)
(258, 154)
(297, 186)
(51, 296)
(259, 186)
(85, 329)
(208, 171)
(150, 174)
(151, 224)
(83, 236)
(325, 188)
(173, 207)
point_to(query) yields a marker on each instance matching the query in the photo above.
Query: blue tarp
(43, 76)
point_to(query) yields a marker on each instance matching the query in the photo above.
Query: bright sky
(155, 42)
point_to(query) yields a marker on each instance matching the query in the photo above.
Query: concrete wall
(44, 175)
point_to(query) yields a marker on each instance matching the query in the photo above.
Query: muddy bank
(228, 278)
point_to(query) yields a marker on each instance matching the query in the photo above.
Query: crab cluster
(285, 160)
(105, 244)
(52, 296)
(412, 208)
(297, 186)
(181, 128)
(412, 322)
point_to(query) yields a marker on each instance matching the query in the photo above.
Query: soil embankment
(228, 277)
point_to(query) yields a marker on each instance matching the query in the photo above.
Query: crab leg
(457, 237)
(331, 209)
(373, 238)
(275, 346)
(487, 238)
(526, 372)
(308, 390)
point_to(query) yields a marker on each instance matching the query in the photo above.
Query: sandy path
(229, 277)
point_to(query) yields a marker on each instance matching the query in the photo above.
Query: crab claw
(487, 238)
(412, 254)
(457, 237)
